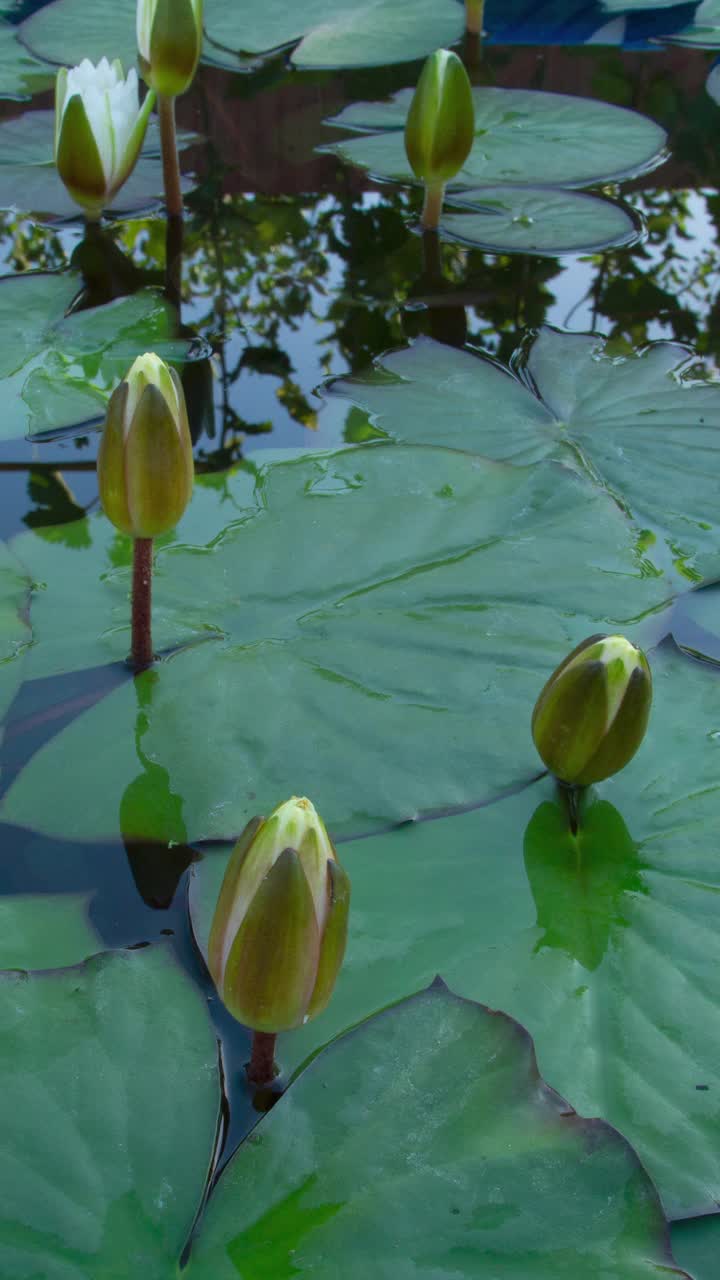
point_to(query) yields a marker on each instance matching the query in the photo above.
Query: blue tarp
(576, 22)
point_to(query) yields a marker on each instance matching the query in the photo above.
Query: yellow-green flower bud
(145, 462)
(592, 714)
(440, 127)
(278, 935)
(169, 38)
(99, 130)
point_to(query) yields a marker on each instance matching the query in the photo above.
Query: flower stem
(141, 655)
(570, 796)
(474, 16)
(171, 167)
(261, 1068)
(432, 207)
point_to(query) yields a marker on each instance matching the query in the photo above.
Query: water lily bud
(592, 714)
(99, 130)
(280, 926)
(145, 462)
(169, 38)
(440, 127)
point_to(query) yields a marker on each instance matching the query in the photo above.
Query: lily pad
(522, 137)
(57, 371)
(538, 221)
(605, 946)
(67, 31)
(704, 31)
(45, 931)
(378, 599)
(29, 182)
(109, 1106)
(337, 33)
(638, 424)
(425, 1143)
(696, 1245)
(21, 75)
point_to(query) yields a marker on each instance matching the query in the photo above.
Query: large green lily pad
(57, 371)
(332, 33)
(378, 601)
(538, 220)
(638, 424)
(45, 931)
(337, 33)
(606, 946)
(108, 1106)
(424, 1143)
(696, 1245)
(704, 31)
(521, 137)
(21, 75)
(29, 181)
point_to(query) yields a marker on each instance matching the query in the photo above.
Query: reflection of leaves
(578, 882)
(56, 515)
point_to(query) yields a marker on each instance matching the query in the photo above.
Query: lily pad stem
(170, 163)
(432, 207)
(474, 16)
(261, 1067)
(141, 655)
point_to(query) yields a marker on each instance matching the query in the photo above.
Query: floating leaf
(696, 1244)
(108, 1107)
(57, 371)
(21, 75)
(538, 220)
(606, 946)
(337, 33)
(638, 423)
(704, 31)
(522, 137)
(426, 1139)
(377, 600)
(45, 931)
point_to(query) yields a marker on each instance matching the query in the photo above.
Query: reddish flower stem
(141, 654)
(261, 1068)
(170, 163)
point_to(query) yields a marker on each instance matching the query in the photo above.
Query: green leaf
(57, 371)
(377, 599)
(337, 33)
(538, 221)
(696, 1244)
(21, 75)
(638, 424)
(45, 931)
(704, 31)
(108, 1107)
(606, 946)
(425, 1143)
(522, 137)
(67, 31)
(29, 182)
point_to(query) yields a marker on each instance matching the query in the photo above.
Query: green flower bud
(440, 127)
(145, 462)
(278, 935)
(592, 714)
(169, 38)
(99, 130)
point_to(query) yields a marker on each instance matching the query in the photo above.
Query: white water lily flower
(99, 130)
(169, 37)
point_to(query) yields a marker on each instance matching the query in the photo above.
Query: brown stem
(141, 654)
(174, 233)
(432, 207)
(171, 167)
(261, 1067)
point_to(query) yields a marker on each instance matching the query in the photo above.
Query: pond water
(426, 468)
